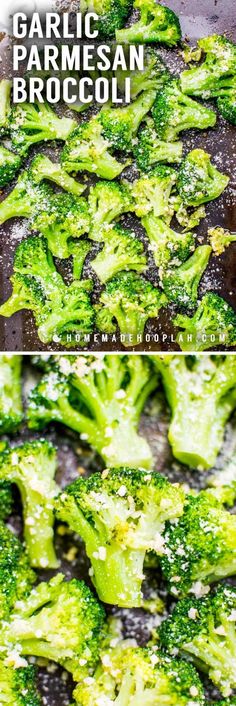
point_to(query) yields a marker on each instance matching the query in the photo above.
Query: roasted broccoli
(112, 14)
(122, 250)
(216, 76)
(152, 191)
(16, 576)
(5, 104)
(137, 675)
(173, 112)
(107, 201)
(214, 323)
(167, 245)
(153, 76)
(18, 685)
(60, 621)
(227, 106)
(156, 24)
(11, 410)
(128, 302)
(150, 150)
(201, 394)
(32, 123)
(220, 239)
(24, 200)
(41, 168)
(86, 148)
(198, 180)
(32, 467)
(6, 500)
(66, 217)
(204, 631)
(120, 515)
(181, 283)
(120, 125)
(9, 165)
(100, 399)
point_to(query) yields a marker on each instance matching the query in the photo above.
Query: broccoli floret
(157, 24)
(137, 675)
(152, 77)
(11, 410)
(227, 107)
(42, 168)
(111, 395)
(214, 322)
(79, 251)
(150, 150)
(167, 245)
(9, 165)
(32, 123)
(16, 576)
(220, 239)
(122, 250)
(18, 686)
(120, 515)
(6, 500)
(204, 631)
(24, 200)
(26, 294)
(5, 104)
(181, 283)
(199, 181)
(32, 467)
(112, 14)
(59, 621)
(67, 217)
(201, 395)
(107, 201)
(86, 148)
(128, 302)
(120, 125)
(152, 192)
(216, 75)
(187, 217)
(173, 112)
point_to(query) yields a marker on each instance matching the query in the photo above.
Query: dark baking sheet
(19, 332)
(55, 685)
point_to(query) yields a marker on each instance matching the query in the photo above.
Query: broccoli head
(102, 399)
(201, 394)
(173, 112)
(11, 410)
(112, 14)
(128, 302)
(227, 106)
(181, 283)
(33, 123)
(9, 165)
(18, 685)
(156, 24)
(86, 148)
(67, 217)
(150, 149)
(152, 77)
(59, 621)
(204, 631)
(199, 181)
(120, 125)
(120, 515)
(213, 323)
(107, 201)
(16, 576)
(122, 251)
(5, 104)
(41, 168)
(216, 75)
(167, 246)
(152, 192)
(220, 239)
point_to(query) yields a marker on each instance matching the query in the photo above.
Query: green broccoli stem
(109, 262)
(16, 204)
(57, 242)
(45, 169)
(195, 80)
(54, 128)
(220, 659)
(15, 302)
(193, 116)
(131, 323)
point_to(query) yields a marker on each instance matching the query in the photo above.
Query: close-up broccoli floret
(167, 245)
(11, 410)
(18, 686)
(156, 24)
(42, 167)
(220, 239)
(200, 391)
(16, 576)
(32, 467)
(87, 149)
(173, 112)
(60, 621)
(227, 106)
(9, 165)
(137, 675)
(120, 515)
(203, 630)
(5, 104)
(198, 180)
(120, 125)
(152, 191)
(150, 149)
(216, 75)
(128, 302)
(107, 201)
(31, 123)
(24, 199)
(214, 323)
(181, 283)
(112, 14)
(100, 399)
(6, 500)
(122, 250)
(66, 217)
(152, 77)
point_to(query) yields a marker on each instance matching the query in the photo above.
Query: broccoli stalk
(9, 165)
(199, 181)
(107, 201)
(86, 149)
(11, 410)
(150, 149)
(112, 393)
(181, 283)
(5, 103)
(220, 239)
(32, 468)
(216, 75)
(201, 394)
(120, 125)
(67, 217)
(156, 24)
(214, 322)
(122, 251)
(36, 123)
(112, 14)
(42, 168)
(173, 112)
(152, 77)
(16, 576)
(24, 200)
(18, 685)
(120, 516)
(166, 244)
